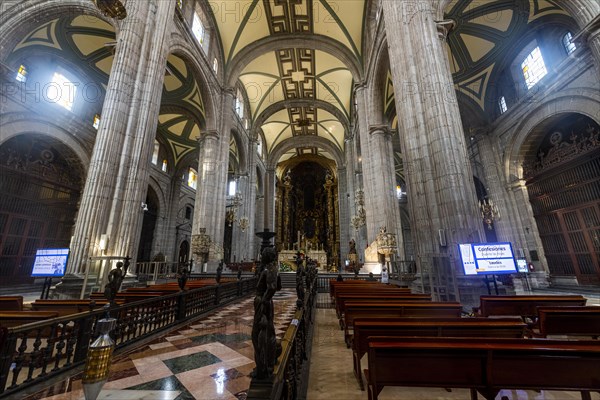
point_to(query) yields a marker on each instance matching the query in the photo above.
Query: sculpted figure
(219, 272)
(182, 276)
(115, 278)
(266, 348)
(352, 246)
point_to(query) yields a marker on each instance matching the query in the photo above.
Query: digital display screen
(487, 258)
(50, 263)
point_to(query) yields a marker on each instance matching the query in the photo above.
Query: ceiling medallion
(112, 8)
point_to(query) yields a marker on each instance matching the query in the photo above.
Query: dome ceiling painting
(317, 82)
(88, 43)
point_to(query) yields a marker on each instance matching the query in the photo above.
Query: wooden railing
(35, 352)
(291, 369)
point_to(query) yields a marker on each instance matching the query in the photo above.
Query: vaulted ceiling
(300, 90)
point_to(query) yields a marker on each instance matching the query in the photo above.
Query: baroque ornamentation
(112, 8)
(562, 151)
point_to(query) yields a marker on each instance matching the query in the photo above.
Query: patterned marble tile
(192, 361)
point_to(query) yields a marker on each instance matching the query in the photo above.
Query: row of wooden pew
(412, 341)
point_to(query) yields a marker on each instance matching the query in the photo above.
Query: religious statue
(115, 278)
(182, 276)
(352, 244)
(239, 274)
(219, 272)
(266, 348)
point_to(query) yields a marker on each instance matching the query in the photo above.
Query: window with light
(192, 179)
(502, 105)
(215, 65)
(259, 148)
(155, 152)
(570, 46)
(232, 188)
(398, 192)
(165, 164)
(180, 4)
(534, 68)
(239, 104)
(61, 91)
(96, 123)
(22, 74)
(198, 29)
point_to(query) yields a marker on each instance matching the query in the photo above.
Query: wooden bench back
(583, 321)
(457, 363)
(10, 319)
(11, 303)
(525, 306)
(66, 307)
(344, 298)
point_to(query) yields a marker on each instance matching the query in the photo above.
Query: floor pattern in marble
(208, 359)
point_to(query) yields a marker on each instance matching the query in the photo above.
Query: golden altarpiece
(307, 215)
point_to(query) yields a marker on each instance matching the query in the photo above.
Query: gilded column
(117, 179)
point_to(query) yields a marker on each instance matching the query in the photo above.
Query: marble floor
(209, 359)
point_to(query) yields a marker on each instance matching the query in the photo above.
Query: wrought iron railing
(38, 351)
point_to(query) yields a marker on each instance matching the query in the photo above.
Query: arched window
(259, 147)
(22, 74)
(192, 180)
(239, 104)
(502, 105)
(61, 91)
(165, 164)
(567, 40)
(534, 68)
(96, 123)
(216, 65)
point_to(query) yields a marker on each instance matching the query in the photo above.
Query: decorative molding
(562, 152)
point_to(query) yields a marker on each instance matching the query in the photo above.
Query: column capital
(212, 134)
(229, 91)
(380, 130)
(444, 28)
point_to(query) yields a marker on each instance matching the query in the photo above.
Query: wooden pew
(484, 365)
(10, 319)
(362, 289)
(524, 306)
(67, 307)
(11, 303)
(342, 298)
(571, 321)
(394, 310)
(440, 327)
(334, 285)
(126, 297)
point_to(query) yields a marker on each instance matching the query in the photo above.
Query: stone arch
(242, 151)
(304, 141)
(160, 195)
(377, 85)
(577, 101)
(186, 53)
(17, 21)
(274, 108)
(19, 124)
(278, 42)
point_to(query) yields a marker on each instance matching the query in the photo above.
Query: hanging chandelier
(112, 8)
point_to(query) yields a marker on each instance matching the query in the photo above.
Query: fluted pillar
(269, 199)
(344, 215)
(379, 179)
(117, 179)
(204, 227)
(441, 191)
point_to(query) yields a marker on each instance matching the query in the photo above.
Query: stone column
(117, 179)
(269, 199)
(344, 226)
(441, 191)
(379, 177)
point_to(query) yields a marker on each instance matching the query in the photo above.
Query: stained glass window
(534, 68)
